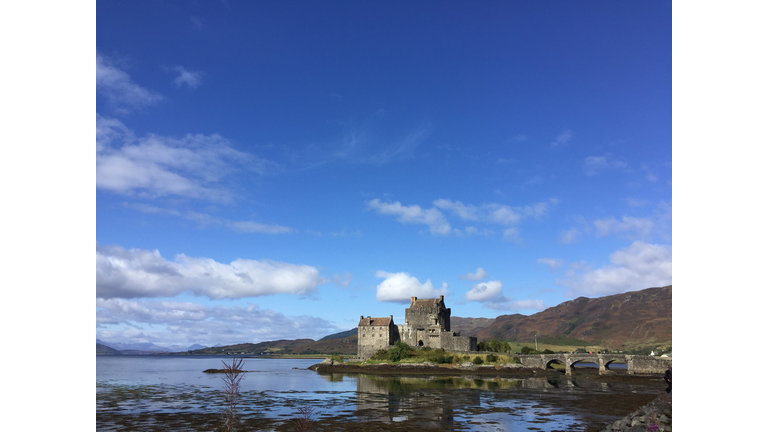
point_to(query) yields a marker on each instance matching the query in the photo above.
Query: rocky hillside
(469, 326)
(628, 320)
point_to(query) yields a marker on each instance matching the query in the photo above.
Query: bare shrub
(304, 421)
(233, 374)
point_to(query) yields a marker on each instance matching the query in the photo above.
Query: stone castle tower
(427, 323)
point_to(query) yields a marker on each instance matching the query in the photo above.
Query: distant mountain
(142, 346)
(469, 326)
(346, 345)
(629, 320)
(146, 348)
(341, 334)
(105, 350)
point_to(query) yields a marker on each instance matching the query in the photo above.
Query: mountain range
(627, 321)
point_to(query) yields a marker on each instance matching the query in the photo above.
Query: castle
(427, 323)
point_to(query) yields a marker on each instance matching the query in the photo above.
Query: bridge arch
(615, 364)
(555, 361)
(584, 363)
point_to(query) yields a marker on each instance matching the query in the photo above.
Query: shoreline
(431, 369)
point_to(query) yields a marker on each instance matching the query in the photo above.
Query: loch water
(173, 393)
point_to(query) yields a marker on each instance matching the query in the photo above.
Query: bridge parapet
(635, 363)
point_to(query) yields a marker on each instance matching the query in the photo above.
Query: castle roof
(416, 303)
(368, 321)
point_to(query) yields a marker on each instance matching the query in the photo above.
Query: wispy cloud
(192, 79)
(197, 22)
(639, 266)
(363, 145)
(154, 165)
(649, 175)
(493, 213)
(137, 273)
(593, 165)
(413, 215)
(343, 280)
(480, 274)
(629, 227)
(634, 202)
(400, 287)
(562, 139)
(183, 323)
(553, 263)
(569, 236)
(118, 88)
(204, 220)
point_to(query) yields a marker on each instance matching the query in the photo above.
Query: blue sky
(270, 170)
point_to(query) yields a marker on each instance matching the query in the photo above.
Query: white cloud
(192, 79)
(121, 92)
(634, 202)
(414, 215)
(480, 274)
(629, 226)
(154, 166)
(182, 323)
(570, 236)
(491, 213)
(553, 263)
(639, 266)
(458, 208)
(343, 280)
(562, 139)
(496, 213)
(485, 291)
(594, 164)
(136, 273)
(400, 287)
(512, 234)
(502, 214)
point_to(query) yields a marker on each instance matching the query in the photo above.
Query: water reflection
(410, 399)
(273, 391)
(442, 403)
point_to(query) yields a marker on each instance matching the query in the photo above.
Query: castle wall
(426, 316)
(371, 338)
(427, 324)
(450, 342)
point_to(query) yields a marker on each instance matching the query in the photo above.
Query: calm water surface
(172, 392)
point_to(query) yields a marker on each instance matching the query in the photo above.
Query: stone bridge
(636, 364)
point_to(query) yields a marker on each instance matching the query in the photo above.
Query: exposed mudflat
(394, 398)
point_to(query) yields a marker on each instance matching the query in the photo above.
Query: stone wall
(371, 338)
(425, 316)
(450, 341)
(648, 364)
(635, 363)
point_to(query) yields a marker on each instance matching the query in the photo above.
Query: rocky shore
(429, 368)
(656, 416)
